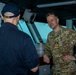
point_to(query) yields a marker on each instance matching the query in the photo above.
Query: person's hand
(46, 59)
(69, 58)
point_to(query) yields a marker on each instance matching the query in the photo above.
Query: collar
(7, 24)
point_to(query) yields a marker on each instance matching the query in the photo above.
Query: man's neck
(57, 29)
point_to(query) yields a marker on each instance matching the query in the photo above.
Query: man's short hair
(51, 13)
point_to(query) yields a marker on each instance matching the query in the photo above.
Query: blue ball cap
(11, 7)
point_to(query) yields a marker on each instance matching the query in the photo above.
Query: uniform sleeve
(74, 37)
(47, 49)
(29, 54)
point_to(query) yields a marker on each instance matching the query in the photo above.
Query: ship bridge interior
(33, 12)
(33, 21)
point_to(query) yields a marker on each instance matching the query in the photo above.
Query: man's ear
(57, 20)
(18, 17)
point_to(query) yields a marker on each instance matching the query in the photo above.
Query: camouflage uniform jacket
(57, 46)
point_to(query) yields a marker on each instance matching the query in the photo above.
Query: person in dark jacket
(17, 51)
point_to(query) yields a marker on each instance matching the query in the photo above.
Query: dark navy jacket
(17, 51)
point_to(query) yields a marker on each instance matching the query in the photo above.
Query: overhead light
(56, 4)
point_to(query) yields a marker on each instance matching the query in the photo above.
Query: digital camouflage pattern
(57, 47)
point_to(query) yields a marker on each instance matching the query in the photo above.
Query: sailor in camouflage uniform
(59, 47)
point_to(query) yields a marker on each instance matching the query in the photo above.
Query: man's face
(53, 21)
